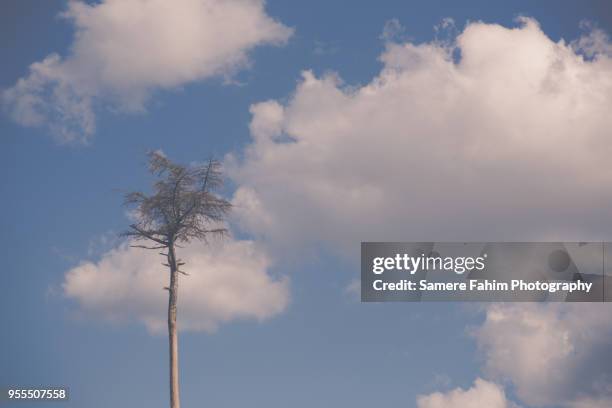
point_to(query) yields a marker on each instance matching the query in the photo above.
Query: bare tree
(183, 206)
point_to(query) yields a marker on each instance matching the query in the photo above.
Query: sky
(337, 122)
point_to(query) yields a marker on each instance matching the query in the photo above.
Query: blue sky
(325, 348)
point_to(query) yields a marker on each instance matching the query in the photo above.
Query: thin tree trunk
(172, 329)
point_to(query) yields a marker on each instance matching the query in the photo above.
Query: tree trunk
(172, 329)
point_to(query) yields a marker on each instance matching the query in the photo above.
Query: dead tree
(184, 206)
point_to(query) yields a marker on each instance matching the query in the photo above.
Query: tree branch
(148, 235)
(146, 247)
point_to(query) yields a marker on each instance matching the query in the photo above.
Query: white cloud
(553, 354)
(482, 394)
(227, 281)
(595, 42)
(123, 50)
(353, 288)
(510, 142)
(392, 30)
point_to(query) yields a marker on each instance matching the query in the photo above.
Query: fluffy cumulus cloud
(123, 50)
(498, 134)
(482, 394)
(227, 281)
(553, 354)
